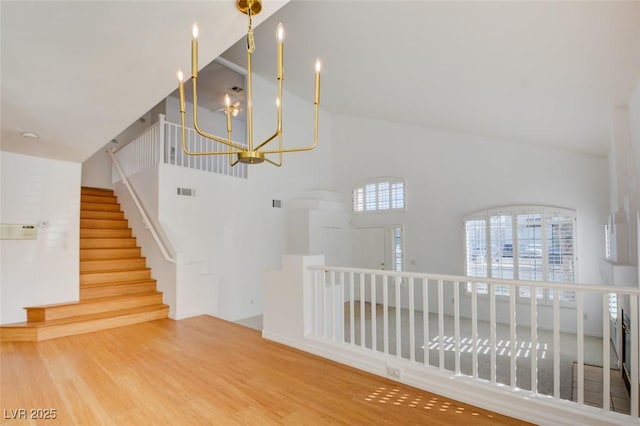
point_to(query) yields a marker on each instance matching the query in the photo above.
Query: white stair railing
(491, 338)
(123, 176)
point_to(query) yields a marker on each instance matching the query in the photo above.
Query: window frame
(380, 199)
(515, 211)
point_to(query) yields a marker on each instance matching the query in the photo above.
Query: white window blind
(379, 194)
(522, 242)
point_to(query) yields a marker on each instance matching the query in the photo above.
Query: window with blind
(379, 195)
(522, 242)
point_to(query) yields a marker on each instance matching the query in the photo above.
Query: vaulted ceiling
(550, 73)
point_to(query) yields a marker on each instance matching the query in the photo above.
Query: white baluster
(352, 317)
(425, 319)
(556, 343)
(398, 303)
(533, 353)
(374, 314)
(441, 323)
(580, 349)
(606, 358)
(456, 319)
(492, 330)
(412, 320)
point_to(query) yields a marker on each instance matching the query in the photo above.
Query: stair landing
(116, 287)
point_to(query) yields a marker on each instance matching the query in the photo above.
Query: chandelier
(249, 153)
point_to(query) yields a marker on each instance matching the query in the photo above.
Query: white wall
(229, 232)
(96, 170)
(45, 270)
(449, 175)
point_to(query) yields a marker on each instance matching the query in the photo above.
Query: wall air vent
(187, 192)
(277, 204)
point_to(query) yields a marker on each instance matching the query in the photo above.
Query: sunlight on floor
(394, 396)
(503, 347)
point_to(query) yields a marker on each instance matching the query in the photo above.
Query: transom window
(379, 194)
(525, 243)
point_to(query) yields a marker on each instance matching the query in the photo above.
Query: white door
(369, 248)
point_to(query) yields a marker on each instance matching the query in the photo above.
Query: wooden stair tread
(96, 300)
(113, 253)
(91, 206)
(116, 287)
(107, 243)
(82, 318)
(118, 283)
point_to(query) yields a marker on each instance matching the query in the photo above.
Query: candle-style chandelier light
(238, 152)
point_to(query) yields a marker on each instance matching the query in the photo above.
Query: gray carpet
(544, 351)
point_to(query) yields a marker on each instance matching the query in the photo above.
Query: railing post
(163, 149)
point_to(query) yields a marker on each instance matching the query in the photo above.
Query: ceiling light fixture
(29, 135)
(236, 151)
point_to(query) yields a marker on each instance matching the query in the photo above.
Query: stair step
(112, 265)
(104, 224)
(107, 243)
(99, 206)
(114, 277)
(81, 324)
(99, 199)
(92, 291)
(99, 214)
(109, 253)
(105, 233)
(92, 306)
(85, 190)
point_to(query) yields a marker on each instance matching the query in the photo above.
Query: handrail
(145, 218)
(500, 281)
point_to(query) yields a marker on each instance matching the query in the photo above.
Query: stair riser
(18, 334)
(99, 207)
(106, 253)
(104, 223)
(105, 233)
(116, 290)
(114, 277)
(111, 265)
(100, 324)
(96, 191)
(98, 199)
(97, 214)
(107, 243)
(95, 307)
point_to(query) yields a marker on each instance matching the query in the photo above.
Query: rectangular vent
(187, 192)
(277, 204)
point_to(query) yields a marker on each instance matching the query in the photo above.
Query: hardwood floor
(201, 371)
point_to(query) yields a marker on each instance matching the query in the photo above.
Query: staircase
(116, 287)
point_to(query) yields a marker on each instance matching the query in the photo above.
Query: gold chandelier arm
(304, 148)
(273, 162)
(280, 77)
(228, 141)
(184, 142)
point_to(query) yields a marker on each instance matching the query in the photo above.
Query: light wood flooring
(203, 371)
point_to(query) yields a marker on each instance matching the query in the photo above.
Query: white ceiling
(78, 73)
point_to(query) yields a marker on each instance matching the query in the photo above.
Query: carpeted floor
(543, 351)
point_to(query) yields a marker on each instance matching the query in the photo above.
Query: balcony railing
(162, 143)
(537, 362)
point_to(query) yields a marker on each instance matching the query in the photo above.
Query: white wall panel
(45, 270)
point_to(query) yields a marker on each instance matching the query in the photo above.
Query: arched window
(522, 242)
(379, 194)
